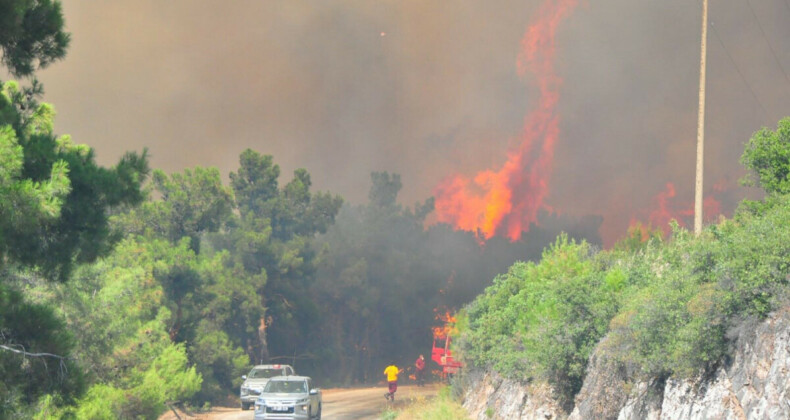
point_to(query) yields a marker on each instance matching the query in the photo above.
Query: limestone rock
(754, 385)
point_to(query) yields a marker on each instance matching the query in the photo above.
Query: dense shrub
(666, 306)
(701, 288)
(542, 320)
(767, 156)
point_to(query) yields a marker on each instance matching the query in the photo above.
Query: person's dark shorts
(393, 386)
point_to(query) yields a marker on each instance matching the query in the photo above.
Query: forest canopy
(125, 292)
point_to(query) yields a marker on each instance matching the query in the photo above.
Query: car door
(313, 398)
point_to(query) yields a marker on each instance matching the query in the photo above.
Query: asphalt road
(339, 404)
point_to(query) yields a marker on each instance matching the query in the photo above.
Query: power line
(748, 86)
(767, 41)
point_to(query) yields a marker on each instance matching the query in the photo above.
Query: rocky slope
(488, 396)
(754, 385)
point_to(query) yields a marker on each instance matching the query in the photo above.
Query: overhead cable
(768, 41)
(748, 86)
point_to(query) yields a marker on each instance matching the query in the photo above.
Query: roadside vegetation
(442, 407)
(669, 307)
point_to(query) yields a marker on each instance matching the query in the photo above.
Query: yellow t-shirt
(392, 373)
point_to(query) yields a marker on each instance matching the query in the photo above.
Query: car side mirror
(244, 377)
(314, 391)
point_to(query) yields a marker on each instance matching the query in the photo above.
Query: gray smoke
(424, 89)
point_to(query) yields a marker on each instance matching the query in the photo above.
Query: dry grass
(442, 407)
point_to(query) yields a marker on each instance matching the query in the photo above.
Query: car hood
(284, 397)
(255, 382)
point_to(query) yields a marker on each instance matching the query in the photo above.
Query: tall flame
(506, 202)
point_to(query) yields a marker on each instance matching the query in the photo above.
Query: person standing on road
(392, 373)
(419, 366)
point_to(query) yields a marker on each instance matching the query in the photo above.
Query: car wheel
(310, 413)
(245, 406)
(318, 416)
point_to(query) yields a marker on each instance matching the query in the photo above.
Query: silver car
(289, 397)
(254, 382)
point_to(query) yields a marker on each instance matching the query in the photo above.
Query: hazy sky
(425, 89)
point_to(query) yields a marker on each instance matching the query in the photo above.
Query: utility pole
(701, 123)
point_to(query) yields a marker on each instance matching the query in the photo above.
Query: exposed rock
(606, 389)
(754, 385)
(490, 397)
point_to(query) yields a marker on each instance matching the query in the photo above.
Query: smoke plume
(317, 85)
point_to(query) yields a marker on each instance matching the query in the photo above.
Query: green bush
(700, 288)
(667, 306)
(767, 156)
(542, 320)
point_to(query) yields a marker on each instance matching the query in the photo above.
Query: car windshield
(265, 373)
(286, 387)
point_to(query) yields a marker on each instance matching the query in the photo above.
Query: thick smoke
(427, 89)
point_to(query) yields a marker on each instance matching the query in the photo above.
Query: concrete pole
(701, 123)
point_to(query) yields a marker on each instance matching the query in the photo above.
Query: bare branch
(23, 352)
(62, 368)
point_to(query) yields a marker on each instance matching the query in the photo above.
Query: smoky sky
(426, 89)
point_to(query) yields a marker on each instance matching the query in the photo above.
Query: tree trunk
(263, 353)
(174, 330)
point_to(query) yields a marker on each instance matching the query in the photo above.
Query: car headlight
(303, 404)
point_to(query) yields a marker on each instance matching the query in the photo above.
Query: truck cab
(256, 380)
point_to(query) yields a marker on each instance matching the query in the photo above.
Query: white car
(289, 397)
(254, 382)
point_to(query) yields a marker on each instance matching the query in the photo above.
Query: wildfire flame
(665, 208)
(448, 324)
(506, 202)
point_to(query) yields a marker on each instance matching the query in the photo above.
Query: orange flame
(665, 209)
(506, 202)
(448, 321)
(636, 227)
(661, 215)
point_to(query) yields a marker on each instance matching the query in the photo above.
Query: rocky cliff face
(488, 396)
(754, 385)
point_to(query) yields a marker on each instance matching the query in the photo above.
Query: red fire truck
(440, 352)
